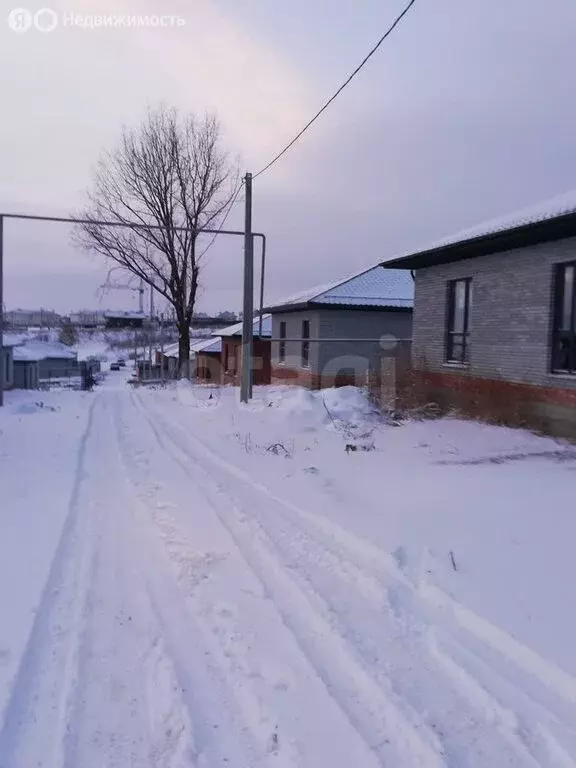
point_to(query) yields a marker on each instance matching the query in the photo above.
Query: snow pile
(342, 407)
(28, 407)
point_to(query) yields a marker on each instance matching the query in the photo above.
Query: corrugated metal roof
(207, 345)
(553, 208)
(236, 329)
(374, 287)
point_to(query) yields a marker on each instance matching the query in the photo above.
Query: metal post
(248, 310)
(1, 311)
(162, 348)
(151, 331)
(262, 278)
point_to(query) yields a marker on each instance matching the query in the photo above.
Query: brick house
(232, 351)
(494, 329)
(333, 332)
(207, 356)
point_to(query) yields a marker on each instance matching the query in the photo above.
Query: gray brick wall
(358, 324)
(293, 322)
(511, 319)
(332, 357)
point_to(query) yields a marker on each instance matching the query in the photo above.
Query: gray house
(495, 319)
(54, 360)
(334, 335)
(26, 369)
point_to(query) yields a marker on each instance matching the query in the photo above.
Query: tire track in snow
(127, 709)
(531, 742)
(325, 741)
(382, 721)
(37, 716)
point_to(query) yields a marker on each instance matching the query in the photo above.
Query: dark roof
(553, 220)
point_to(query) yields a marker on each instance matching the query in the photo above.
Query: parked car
(122, 363)
(114, 367)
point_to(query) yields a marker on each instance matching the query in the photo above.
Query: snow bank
(39, 447)
(332, 408)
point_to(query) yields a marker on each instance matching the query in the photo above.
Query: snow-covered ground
(187, 582)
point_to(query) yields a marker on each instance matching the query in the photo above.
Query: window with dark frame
(282, 344)
(305, 343)
(458, 327)
(564, 331)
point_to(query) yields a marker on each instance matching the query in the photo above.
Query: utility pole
(151, 331)
(248, 304)
(162, 348)
(1, 311)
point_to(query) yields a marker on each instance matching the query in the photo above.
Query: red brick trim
(517, 391)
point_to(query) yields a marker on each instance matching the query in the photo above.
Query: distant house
(332, 332)
(126, 319)
(206, 358)
(54, 360)
(495, 319)
(26, 371)
(232, 352)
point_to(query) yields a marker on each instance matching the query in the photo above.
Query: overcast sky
(465, 113)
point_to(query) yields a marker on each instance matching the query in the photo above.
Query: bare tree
(169, 173)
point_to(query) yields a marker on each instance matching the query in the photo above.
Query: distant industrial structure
(31, 318)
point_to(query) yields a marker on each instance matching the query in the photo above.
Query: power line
(339, 91)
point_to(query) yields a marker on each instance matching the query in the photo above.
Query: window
(458, 332)
(564, 340)
(305, 343)
(282, 344)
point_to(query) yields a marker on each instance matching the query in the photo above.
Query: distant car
(122, 363)
(114, 367)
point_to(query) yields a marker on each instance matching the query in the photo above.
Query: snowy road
(194, 617)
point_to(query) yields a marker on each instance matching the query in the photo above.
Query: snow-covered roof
(12, 339)
(553, 208)
(207, 345)
(560, 205)
(236, 329)
(43, 350)
(374, 287)
(202, 345)
(125, 314)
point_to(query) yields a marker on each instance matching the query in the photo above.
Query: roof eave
(557, 228)
(311, 305)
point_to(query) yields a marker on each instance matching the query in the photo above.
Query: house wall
(56, 367)
(510, 339)
(7, 367)
(232, 358)
(208, 367)
(26, 374)
(339, 362)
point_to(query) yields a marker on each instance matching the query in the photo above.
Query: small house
(206, 358)
(26, 369)
(55, 360)
(334, 335)
(123, 319)
(494, 331)
(232, 351)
